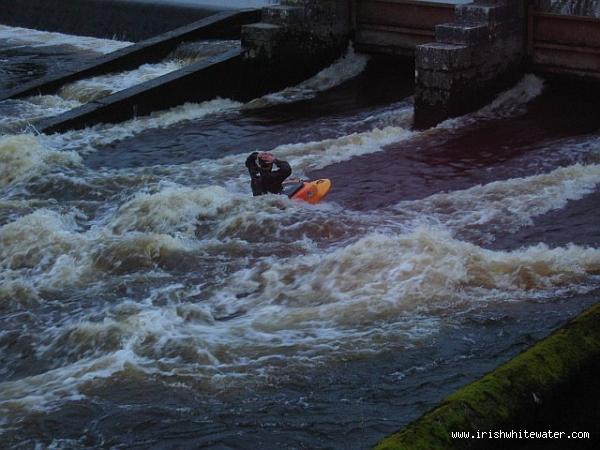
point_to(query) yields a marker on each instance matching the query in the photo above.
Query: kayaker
(263, 179)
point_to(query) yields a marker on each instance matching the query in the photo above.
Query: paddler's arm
(255, 181)
(284, 169)
(252, 166)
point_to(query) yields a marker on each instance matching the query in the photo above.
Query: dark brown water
(148, 301)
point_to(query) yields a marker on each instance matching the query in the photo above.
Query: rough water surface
(147, 300)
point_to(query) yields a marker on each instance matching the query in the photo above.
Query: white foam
(286, 313)
(51, 251)
(46, 390)
(20, 113)
(345, 68)
(89, 89)
(381, 276)
(509, 103)
(174, 208)
(506, 205)
(23, 156)
(302, 157)
(18, 36)
(87, 139)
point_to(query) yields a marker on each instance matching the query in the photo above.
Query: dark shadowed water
(148, 301)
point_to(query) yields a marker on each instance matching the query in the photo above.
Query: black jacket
(265, 180)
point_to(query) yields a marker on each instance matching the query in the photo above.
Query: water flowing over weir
(146, 299)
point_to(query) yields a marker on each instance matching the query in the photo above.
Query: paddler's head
(265, 160)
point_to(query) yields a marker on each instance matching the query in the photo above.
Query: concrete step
(283, 15)
(260, 38)
(461, 33)
(488, 14)
(259, 32)
(439, 56)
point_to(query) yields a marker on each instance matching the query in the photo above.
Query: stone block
(324, 16)
(490, 15)
(457, 33)
(291, 16)
(434, 80)
(261, 38)
(260, 33)
(441, 56)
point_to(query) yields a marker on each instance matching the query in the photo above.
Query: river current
(147, 300)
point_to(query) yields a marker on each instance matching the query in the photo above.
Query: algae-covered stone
(504, 397)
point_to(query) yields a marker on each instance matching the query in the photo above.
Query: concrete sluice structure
(463, 52)
(221, 25)
(220, 75)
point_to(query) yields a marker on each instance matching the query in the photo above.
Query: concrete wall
(122, 19)
(397, 27)
(553, 385)
(564, 39)
(584, 8)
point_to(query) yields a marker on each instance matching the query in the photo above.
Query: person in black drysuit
(264, 179)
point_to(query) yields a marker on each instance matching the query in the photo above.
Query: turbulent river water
(147, 300)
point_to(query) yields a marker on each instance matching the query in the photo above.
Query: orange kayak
(308, 191)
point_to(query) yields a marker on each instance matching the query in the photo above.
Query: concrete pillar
(473, 58)
(296, 39)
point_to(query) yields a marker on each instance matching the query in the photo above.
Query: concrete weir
(552, 387)
(217, 76)
(282, 45)
(220, 25)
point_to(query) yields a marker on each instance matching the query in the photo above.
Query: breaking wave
(23, 156)
(26, 36)
(345, 68)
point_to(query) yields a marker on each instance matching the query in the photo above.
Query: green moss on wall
(505, 395)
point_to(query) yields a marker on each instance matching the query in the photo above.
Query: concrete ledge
(217, 76)
(225, 24)
(488, 14)
(443, 56)
(511, 395)
(456, 33)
